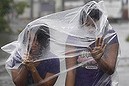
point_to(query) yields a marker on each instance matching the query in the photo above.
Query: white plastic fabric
(66, 28)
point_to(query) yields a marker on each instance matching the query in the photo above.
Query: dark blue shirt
(44, 67)
(90, 74)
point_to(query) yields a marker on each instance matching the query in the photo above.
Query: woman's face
(35, 46)
(89, 22)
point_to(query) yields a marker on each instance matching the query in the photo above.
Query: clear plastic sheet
(65, 35)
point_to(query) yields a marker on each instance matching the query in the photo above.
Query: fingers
(99, 48)
(29, 64)
(27, 57)
(99, 42)
(104, 47)
(97, 53)
(99, 45)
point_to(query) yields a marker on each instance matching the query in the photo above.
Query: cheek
(35, 47)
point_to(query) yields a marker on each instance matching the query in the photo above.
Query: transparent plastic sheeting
(66, 34)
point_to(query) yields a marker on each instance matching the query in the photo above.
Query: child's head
(43, 36)
(95, 14)
(88, 18)
(40, 40)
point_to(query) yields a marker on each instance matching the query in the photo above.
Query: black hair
(43, 35)
(95, 14)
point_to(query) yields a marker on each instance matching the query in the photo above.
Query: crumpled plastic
(61, 29)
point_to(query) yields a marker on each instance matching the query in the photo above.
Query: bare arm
(39, 81)
(108, 62)
(105, 55)
(19, 76)
(70, 62)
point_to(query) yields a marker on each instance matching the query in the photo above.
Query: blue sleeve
(14, 60)
(111, 40)
(53, 65)
(49, 65)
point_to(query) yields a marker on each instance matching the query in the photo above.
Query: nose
(35, 43)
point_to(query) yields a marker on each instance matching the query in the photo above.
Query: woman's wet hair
(95, 14)
(43, 35)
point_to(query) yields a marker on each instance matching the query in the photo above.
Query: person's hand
(98, 51)
(29, 63)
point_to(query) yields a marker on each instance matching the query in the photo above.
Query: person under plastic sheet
(101, 56)
(30, 72)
